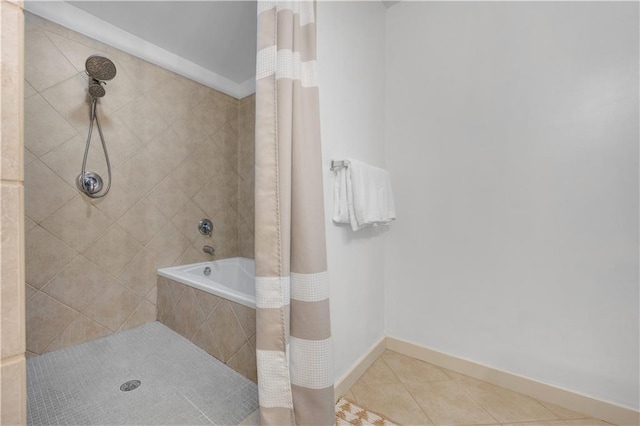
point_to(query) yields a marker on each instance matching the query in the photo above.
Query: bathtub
(232, 279)
(216, 311)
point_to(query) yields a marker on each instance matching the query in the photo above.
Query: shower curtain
(295, 378)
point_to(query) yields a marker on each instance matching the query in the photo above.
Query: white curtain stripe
(272, 292)
(311, 363)
(286, 64)
(273, 379)
(310, 287)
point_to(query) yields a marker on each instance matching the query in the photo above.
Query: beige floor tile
(569, 422)
(562, 412)
(350, 396)
(412, 370)
(379, 372)
(447, 404)
(391, 400)
(505, 405)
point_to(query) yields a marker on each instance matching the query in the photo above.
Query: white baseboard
(349, 378)
(590, 406)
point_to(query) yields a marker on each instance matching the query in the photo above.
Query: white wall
(351, 79)
(512, 137)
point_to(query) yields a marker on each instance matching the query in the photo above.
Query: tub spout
(208, 250)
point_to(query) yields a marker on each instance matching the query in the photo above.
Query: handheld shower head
(96, 90)
(100, 68)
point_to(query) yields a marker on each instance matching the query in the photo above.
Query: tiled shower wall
(174, 148)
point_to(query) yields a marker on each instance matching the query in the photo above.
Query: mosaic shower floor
(180, 383)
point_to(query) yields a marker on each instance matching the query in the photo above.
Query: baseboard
(349, 378)
(590, 406)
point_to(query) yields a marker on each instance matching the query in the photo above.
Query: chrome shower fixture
(99, 69)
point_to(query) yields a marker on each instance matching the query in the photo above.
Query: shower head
(96, 90)
(100, 68)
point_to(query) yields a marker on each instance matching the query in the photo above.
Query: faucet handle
(208, 249)
(205, 227)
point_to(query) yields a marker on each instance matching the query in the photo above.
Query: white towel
(362, 196)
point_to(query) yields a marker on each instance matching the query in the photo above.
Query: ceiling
(212, 42)
(217, 35)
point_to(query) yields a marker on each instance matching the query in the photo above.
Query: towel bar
(339, 164)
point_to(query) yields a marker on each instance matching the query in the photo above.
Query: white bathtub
(232, 279)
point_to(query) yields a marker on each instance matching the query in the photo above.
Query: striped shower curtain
(294, 354)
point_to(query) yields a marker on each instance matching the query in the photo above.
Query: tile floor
(413, 392)
(181, 383)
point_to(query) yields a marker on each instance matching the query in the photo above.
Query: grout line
(406, 389)
(194, 405)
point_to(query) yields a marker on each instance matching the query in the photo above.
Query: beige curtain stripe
(266, 29)
(269, 325)
(276, 416)
(309, 320)
(313, 406)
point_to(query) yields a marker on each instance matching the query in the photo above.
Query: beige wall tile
(140, 274)
(66, 160)
(225, 232)
(143, 118)
(193, 255)
(45, 66)
(121, 142)
(69, 99)
(73, 51)
(29, 292)
(45, 256)
(169, 148)
(12, 297)
(188, 315)
(113, 306)
(144, 313)
(168, 197)
(28, 157)
(246, 317)
(143, 221)
(81, 329)
(120, 199)
(12, 92)
(167, 245)
(114, 250)
(144, 170)
(207, 301)
(187, 219)
(77, 223)
(218, 192)
(447, 404)
(13, 392)
(226, 329)
(44, 191)
(46, 319)
(203, 338)
(77, 284)
(152, 296)
(44, 128)
(244, 362)
(28, 90)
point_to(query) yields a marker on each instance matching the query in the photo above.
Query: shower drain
(130, 385)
